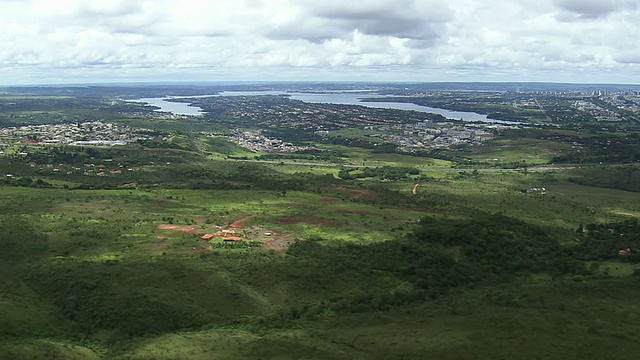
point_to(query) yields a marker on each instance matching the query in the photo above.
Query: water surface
(342, 98)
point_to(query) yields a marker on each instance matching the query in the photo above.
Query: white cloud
(407, 40)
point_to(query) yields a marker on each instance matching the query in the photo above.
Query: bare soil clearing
(237, 225)
(356, 193)
(187, 229)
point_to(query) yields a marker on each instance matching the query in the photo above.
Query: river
(342, 98)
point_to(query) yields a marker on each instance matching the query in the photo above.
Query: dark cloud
(117, 17)
(428, 11)
(115, 8)
(416, 29)
(310, 29)
(627, 58)
(339, 20)
(401, 19)
(593, 9)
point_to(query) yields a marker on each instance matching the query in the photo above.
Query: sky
(95, 41)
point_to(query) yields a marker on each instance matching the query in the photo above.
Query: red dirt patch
(289, 220)
(187, 229)
(357, 194)
(323, 221)
(330, 199)
(238, 223)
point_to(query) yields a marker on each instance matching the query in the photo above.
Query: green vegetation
(383, 173)
(183, 244)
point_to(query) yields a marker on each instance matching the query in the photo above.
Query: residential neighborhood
(87, 133)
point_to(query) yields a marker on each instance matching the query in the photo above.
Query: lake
(342, 98)
(171, 107)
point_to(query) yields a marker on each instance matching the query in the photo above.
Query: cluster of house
(427, 135)
(596, 111)
(627, 251)
(86, 169)
(614, 102)
(229, 235)
(408, 137)
(255, 141)
(626, 100)
(535, 190)
(95, 133)
(226, 235)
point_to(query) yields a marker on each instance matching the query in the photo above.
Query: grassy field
(118, 234)
(519, 150)
(366, 157)
(570, 320)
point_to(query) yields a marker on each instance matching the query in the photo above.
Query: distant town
(96, 133)
(280, 124)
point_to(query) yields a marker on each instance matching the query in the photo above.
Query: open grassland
(83, 261)
(625, 177)
(294, 166)
(565, 205)
(367, 157)
(129, 219)
(526, 151)
(569, 320)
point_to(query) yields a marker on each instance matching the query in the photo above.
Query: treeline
(616, 177)
(127, 155)
(498, 246)
(26, 182)
(179, 142)
(240, 175)
(102, 168)
(620, 241)
(49, 103)
(603, 148)
(305, 136)
(309, 154)
(377, 147)
(30, 110)
(441, 256)
(380, 172)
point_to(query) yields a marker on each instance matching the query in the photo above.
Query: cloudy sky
(80, 41)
